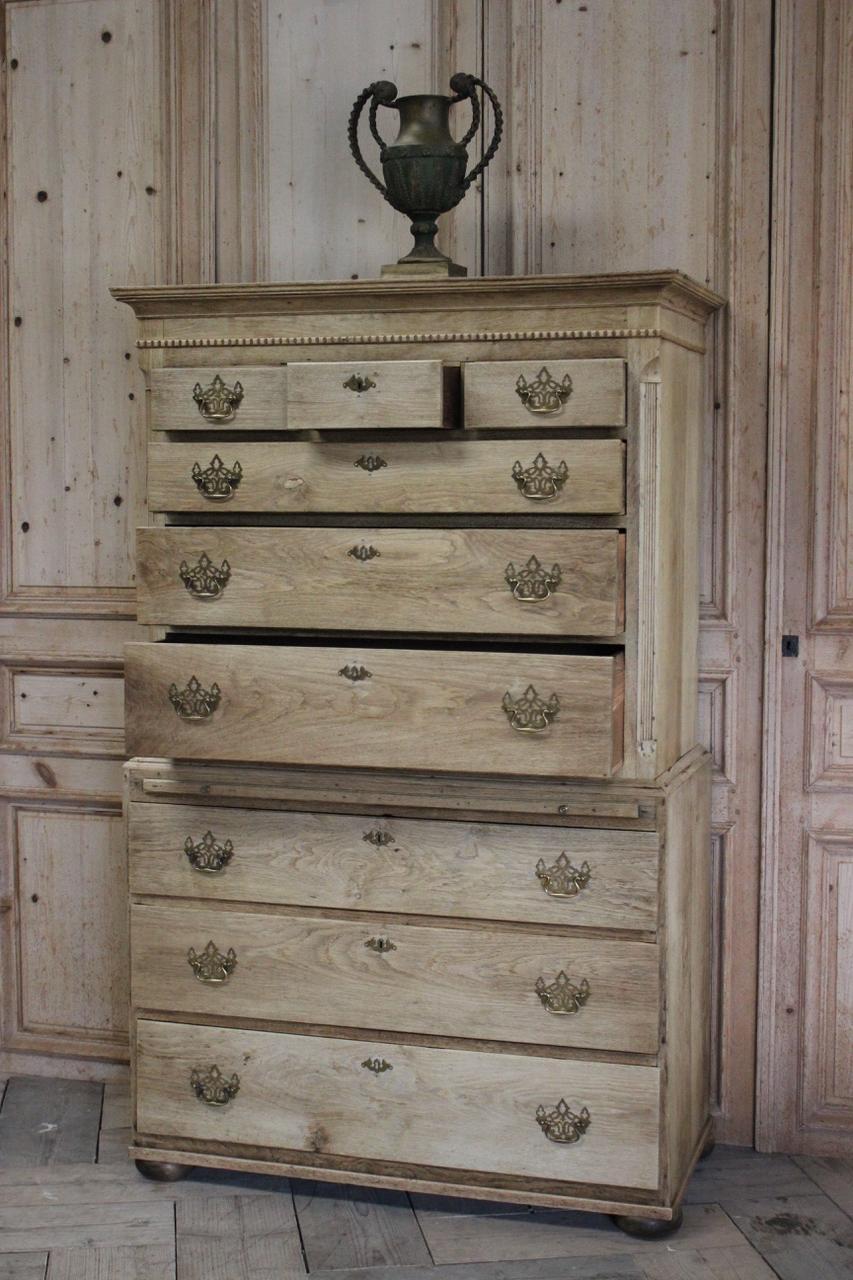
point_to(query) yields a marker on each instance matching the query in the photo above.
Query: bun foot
(162, 1170)
(648, 1228)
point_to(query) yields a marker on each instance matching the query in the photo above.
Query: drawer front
(455, 1109)
(519, 582)
(470, 983)
(446, 710)
(556, 393)
(488, 871)
(363, 395)
(218, 399)
(531, 477)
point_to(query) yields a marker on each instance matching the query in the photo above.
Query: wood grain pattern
(451, 982)
(459, 476)
(48, 1122)
(239, 1238)
(344, 1227)
(263, 405)
(597, 396)
(405, 393)
(306, 1094)
(413, 710)
(480, 870)
(415, 580)
(113, 1262)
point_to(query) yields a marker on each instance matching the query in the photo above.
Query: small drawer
(602, 879)
(477, 581)
(367, 395)
(448, 710)
(556, 393)
(468, 983)
(218, 399)
(557, 1119)
(533, 477)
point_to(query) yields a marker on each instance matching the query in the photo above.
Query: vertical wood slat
(188, 39)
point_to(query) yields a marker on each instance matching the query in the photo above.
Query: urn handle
(381, 93)
(464, 86)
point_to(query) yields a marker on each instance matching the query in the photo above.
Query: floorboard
(44, 1121)
(834, 1176)
(150, 1262)
(23, 1266)
(356, 1227)
(51, 1226)
(238, 1238)
(801, 1237)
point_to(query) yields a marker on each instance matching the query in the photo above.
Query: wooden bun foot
(162, 1170)
(648, 1228)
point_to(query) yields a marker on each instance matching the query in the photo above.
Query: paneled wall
(206, 139)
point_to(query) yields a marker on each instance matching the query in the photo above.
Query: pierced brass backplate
(530, 713)
(561, 1124)
(218, 402)
(544, 395)
(562, 879)
(377, 1065)
(203, 580)
(540, 481)
(532, 583)
(208, 855)
(217, 482)
(381, 945)
(359, 382)
(355, 674)
(211, 1087)
(210, 965)
(194, 702)
(370, 462)
(363, 553)
(562, 996)
(378, 838)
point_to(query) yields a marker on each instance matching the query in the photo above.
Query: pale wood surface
(44, 1122)
(480, 870)
(411, 711)
(263, 406)
(415, 580)
(113, 1262)
(300, 1093)
(406, 393)
(597, 397)
(344, 1227)
(460, 476)
(23, 1266)
(452, 982)
(238, 1238)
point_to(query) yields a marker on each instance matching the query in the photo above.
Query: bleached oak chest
(418, 826)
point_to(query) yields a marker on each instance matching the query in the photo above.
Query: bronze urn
(424, 168)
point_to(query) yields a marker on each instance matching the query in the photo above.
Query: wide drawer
(534, 477)
(213, 399)
(449, 710)
(556, 393)
(520, 581)
(488, 871)
(375, 1100)
(421, 394)
(477, 983)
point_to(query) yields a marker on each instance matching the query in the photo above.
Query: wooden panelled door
(188, 140)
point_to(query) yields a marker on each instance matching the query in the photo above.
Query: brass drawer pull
(370, 462)
(216, 481)
(194, 702)
(561, 879)
(561, 1124)
(210, 965)
(380, 945)
(212, 1088)
(544, 394)
(378, 838)
(204, 580)
(218, 402)
(355, 674)
(377, 1065)
(540, 481)
(363, 553)
(562, 996)
(532, 582)
(530, 713)
(359, 382)
(208, 855)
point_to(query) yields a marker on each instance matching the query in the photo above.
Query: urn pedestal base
(438, 269)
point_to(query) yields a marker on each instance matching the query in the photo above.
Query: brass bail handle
(380, 93)
(464, 86)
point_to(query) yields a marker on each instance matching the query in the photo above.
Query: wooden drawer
(380, 708)
(513, 582)
(218, 399)
(489, 871)
(500, 477)
(451, 1108)
(473, 983)
(375, 394)
(556, 393)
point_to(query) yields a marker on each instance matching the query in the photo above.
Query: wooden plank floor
(73, 1207)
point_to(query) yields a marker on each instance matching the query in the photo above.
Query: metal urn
(424, 169)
